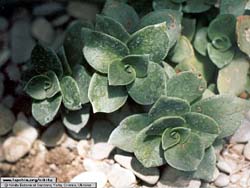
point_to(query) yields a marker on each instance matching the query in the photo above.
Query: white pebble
(93, 165)
(15, 148)
(224, 167)
(98, 177)
(222, 180)
(247, 151)
(101, 150)
(83, 147)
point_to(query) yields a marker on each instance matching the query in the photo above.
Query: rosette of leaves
(217, 40)
(188, 6)
(58, 79)
(181, 127)
(125, 64)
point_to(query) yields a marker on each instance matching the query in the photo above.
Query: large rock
(242, 135)
(101, 150)
(7, 120)
(43, 30)
(15, 148)
(96, 176)
(54, 135)
(21, 41)
(148, 175)
(24, 130)
(121, 178)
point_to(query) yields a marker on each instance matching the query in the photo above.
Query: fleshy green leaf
(232, 7)
(111, 27)
(207, 166)
(220, 58)
(70, 93)
(186, 156)
(168, 70)
(124, 135)
(45, 59)
(227, 111)
(44, 111)
(186, 85)
(234, 79)
(148, 149)
(204, 126)
(101, 49)
(201, 41)
(188, 28)
(217, 27)
(182, 50)
(122, 13)
(76, 120)
(43, 86)
(152, 40)
(73, 42)
(171, 17)
(243, 33)
(82, 79)
(169, 106)
(64, 60)
(159, 125)
(147, 90)
(120, 74)
(174, 136)
(105, 98)
(139, 63)
(36, 87)
(166, 4)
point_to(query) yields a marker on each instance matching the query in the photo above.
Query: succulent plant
(180, 129)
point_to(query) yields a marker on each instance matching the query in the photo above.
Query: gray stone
(222, 180)
(121, 178)
(8, 101)
(224, 166)
(7, 120)
(247, 151)
(101, 130)
(174, 178)
(13, 72)
(98, 177)
(82, 148)
(2, 158)
(82, 10)
(101, 150)
(43, 30)
(148, 175)
(3, 24)
(61, 20)
(21, 116)
(54, 135)
(15, 148)
(21, 41)
(47, 9)
(242, 135)
(24, 130)
(94, 165)
(4, 56)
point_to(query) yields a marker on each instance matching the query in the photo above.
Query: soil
(58, 162)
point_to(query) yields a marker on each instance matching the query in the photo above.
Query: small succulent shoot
(217, 42)
(181, 127)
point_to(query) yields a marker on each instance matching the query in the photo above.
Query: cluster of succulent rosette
(188, 69)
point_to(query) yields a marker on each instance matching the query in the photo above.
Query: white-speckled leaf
(111, 27)
(228, 111)
(70, 93)
(147, 90)
(82, 78)
(105, 98)
(124, 135)
(44, 111)
(76, 120)
(152, 40)
(101, 49)
(186, 85)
